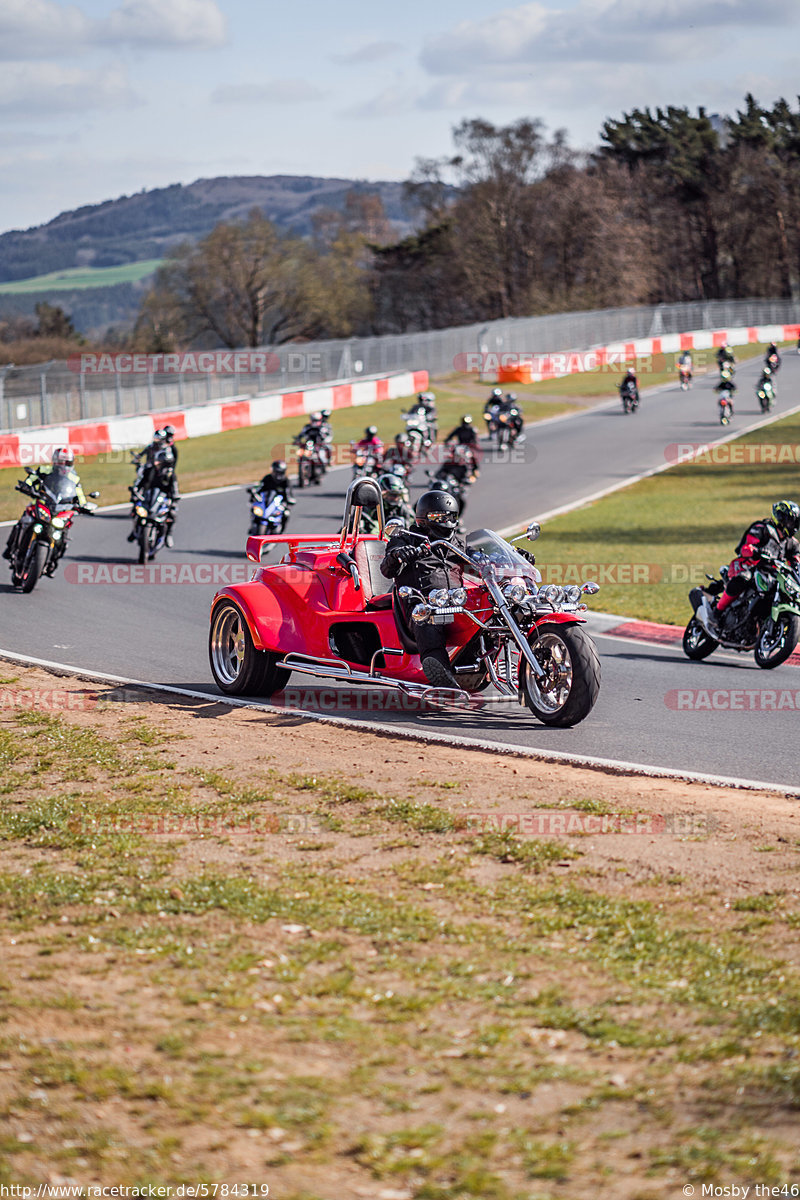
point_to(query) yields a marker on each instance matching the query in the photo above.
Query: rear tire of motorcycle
(142, 544)
(238, 668)
(153, 541)
(791, 637)
(585, 688)
(697, 644)
(303, 472)
(37, 562)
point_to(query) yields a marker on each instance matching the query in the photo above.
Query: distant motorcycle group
(726, 387)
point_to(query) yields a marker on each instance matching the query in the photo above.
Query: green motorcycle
(764, 617)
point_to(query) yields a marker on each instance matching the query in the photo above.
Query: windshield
(59, 488)
(488, 551)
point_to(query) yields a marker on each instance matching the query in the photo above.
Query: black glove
(408, 554)
(526, 554)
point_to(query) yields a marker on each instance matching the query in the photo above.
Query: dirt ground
(244, 947)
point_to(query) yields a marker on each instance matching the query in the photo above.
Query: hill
(147, 224)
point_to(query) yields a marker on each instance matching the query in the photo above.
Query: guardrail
(60, 393)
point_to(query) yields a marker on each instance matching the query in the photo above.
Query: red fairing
(560, 618)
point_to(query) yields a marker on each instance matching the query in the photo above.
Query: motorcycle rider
(425, 404)
(772, 358)
(277, 480)
(729, 387)
(465, 434)
(494, 402)
(371, 444)
(630, 385)
(725, 356)
(400, 452)
(411, 561)
(61, 463)
(766, 377)
(158, 471)
(777, 536)
(685, 364)
(510, 407)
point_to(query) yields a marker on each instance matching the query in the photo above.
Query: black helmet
(326, 414)
(169, 432)
(787, 517)
(497, 393)
(511, 397)
(371, 431)
(437, 514)
(278, 468)
(391, 485)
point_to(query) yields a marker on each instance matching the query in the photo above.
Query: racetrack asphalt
(158, 632)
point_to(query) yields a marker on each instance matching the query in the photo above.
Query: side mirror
(94, 495)
(394, 526)
(533, 531)
(591, 588)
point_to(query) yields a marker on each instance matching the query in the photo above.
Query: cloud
(371, 52)
(47, 89)
(277, 91)
(164, 23)
(620, 31)
(40, 29)
(391, 102)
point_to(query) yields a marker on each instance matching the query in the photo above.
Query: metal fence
(57, 393)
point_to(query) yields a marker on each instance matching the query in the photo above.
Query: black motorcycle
(151, 512)
(764, 615)
(629, 394)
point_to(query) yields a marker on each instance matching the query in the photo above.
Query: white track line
(607, 765)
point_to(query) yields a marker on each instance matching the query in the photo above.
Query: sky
(103, 98)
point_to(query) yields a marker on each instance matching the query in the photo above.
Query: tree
(53, 321)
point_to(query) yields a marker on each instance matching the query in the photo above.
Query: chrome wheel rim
(554, 656)
(228, 645)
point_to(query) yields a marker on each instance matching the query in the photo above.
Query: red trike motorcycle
(326, 610)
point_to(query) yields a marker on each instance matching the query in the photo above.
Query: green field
(73, 278)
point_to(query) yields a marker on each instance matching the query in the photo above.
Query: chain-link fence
(91, 387)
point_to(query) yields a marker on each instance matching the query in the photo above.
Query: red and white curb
(32, 446)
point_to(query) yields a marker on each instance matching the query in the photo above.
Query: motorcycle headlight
(552, 593)
(42, 513)
(37, 529)
(572, 594)
(458, 596)
(421, 613)
(515, 592)
(141, 511)
(58, 522)
(439, 597)
(257, 512)
(56, 535)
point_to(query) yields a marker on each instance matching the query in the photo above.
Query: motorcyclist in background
(159, 471)
(685, 365)
(772, 358)
(371, 443)
(777, 537)
(725, 356)
(400, 452)
(465, 434)
(629, 386)
(411, 561)
(277, 480)
(729, 387)
(62, 463)
(510, 406)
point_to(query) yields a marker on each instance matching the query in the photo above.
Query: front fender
(560, 618)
